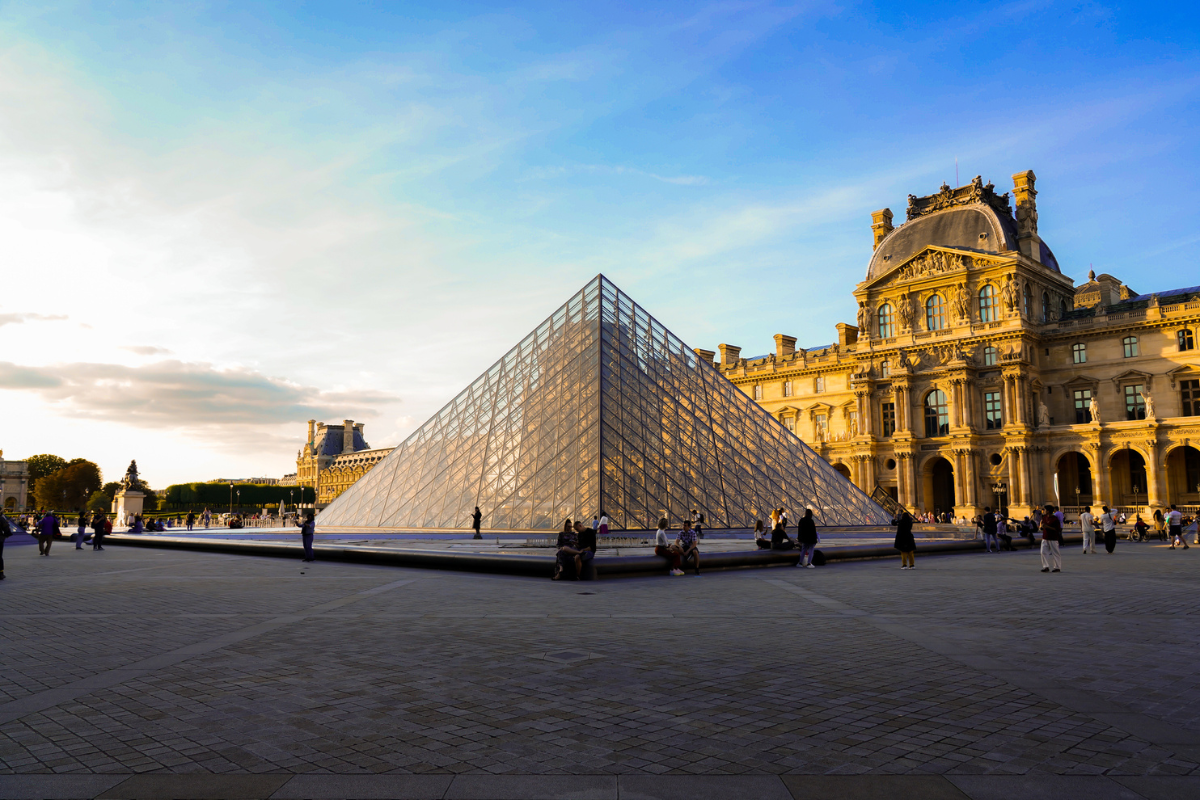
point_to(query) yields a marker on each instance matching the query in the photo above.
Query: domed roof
(969, 218)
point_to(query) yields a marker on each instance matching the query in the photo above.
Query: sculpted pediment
(931, 262)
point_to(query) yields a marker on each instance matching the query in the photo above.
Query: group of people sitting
(806, 536)
(678, 551)
(577, 547)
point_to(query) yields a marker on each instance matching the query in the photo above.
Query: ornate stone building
(14, 484)
(333, 458)
(979, 375)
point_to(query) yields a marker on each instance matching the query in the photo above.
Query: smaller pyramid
(600, 408)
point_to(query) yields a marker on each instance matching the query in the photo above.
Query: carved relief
(1011, 294)
(906, 309)
(933, 262)
(974, 192)
(962, 303)
(864, 318)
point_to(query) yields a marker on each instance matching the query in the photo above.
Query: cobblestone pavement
(133, 661)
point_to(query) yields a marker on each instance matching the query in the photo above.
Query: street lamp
(239, 494)
(231, 497)
(1136, 489)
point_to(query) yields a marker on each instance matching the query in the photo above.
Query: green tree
(40, 466)
(102, 498)
(69, 488)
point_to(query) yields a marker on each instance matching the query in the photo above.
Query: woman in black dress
(905, 542)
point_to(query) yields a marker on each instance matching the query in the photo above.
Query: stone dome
(978, 227)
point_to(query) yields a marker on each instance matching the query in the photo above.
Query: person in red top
(1051, 541)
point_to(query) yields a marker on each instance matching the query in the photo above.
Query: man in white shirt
(1109, 526)
(1175, 526)
(1088, 523)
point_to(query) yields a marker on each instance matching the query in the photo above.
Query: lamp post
(1136, 490)
(239, 495)
(1001, 490)
(231, 497)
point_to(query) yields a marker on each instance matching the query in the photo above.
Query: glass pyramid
(599, 408)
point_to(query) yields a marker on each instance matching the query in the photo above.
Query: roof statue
(600, 407)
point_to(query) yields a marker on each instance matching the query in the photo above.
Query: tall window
(1045, 307)
(937, 414)
(1062, 309)
(1190, 391)
(1135, 405)
(885, 370)
(1079, 353)
(790, 423)
(1130, 344)
(1028, 302)
(990, 356)
(819, 384)
(987, 304)
(787, 388)
(757, 392)
(1083, 403)
(822, 425)
(991, 411)
(935, 313)
(887, 325)
(889, 417)
(1185, 340)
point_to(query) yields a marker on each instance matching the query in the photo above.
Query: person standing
(602, 528)
(5, 532)
(1160, 526)
(307, 530)
(1175, 528)
(99, 523)
(1087, 524)
(191, 520)
(1108, 525)
(47, 530)
(80, 529)
(1051, 542)
(476, 519)
(989, 530)
(806, 535)
(905, 542)
(664, 548)
(207, 517)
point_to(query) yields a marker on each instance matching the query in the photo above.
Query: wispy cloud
(146, 350)
(178, 395)
(16, 318)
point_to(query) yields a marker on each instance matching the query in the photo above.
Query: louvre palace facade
(977, 374)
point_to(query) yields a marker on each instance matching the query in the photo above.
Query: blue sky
(224, 219)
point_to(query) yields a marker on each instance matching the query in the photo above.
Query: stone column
(960, 491)
(970, 479)
(1016, 489)
(1152, 476)
(1027, 476)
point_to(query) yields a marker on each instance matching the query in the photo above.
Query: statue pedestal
(127, 504)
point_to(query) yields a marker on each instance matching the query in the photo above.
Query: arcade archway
(1127, 477)
(938, 485)
(1074, 480)
(1183, 476)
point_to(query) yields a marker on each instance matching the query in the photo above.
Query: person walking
(47, 530)
(664, 548)
(989, 530)
(476, 519)
(307, 530)
(905, 542)
(1087, 523)
(1051, 542)
(1175, 526)
(207, 517)
(806, 535)
(1108, 525)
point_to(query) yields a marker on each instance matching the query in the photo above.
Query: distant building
(14, 484)
(333, 458)
(264, 481)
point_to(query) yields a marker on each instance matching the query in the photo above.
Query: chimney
(347, 436)
(706, 356)
(312, 436)
(881, 224)
(847, 334)
(785, 346)
(1027, 218)
(730, 355)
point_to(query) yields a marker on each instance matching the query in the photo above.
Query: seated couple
(576, 544)
(678, 550)
(806, 538)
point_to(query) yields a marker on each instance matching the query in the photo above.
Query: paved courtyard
(157, 673)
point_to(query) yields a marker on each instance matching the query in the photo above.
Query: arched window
(987, 304)
(937, 414)
(887, 325)
(1045, 307)
(1185, 339)
(990, 356)
(1130, 345)
(935, 313)
(1062, 309)
(885, 370)
(1079, 353)
(1028, 303)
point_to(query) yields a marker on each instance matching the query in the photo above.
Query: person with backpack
(806, 537)
(1051, 542)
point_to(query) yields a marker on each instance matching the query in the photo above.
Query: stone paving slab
(184, 667)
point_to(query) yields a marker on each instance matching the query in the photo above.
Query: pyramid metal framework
(599, 408)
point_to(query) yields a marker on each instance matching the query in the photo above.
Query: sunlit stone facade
(333, 458)
(974, 364)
